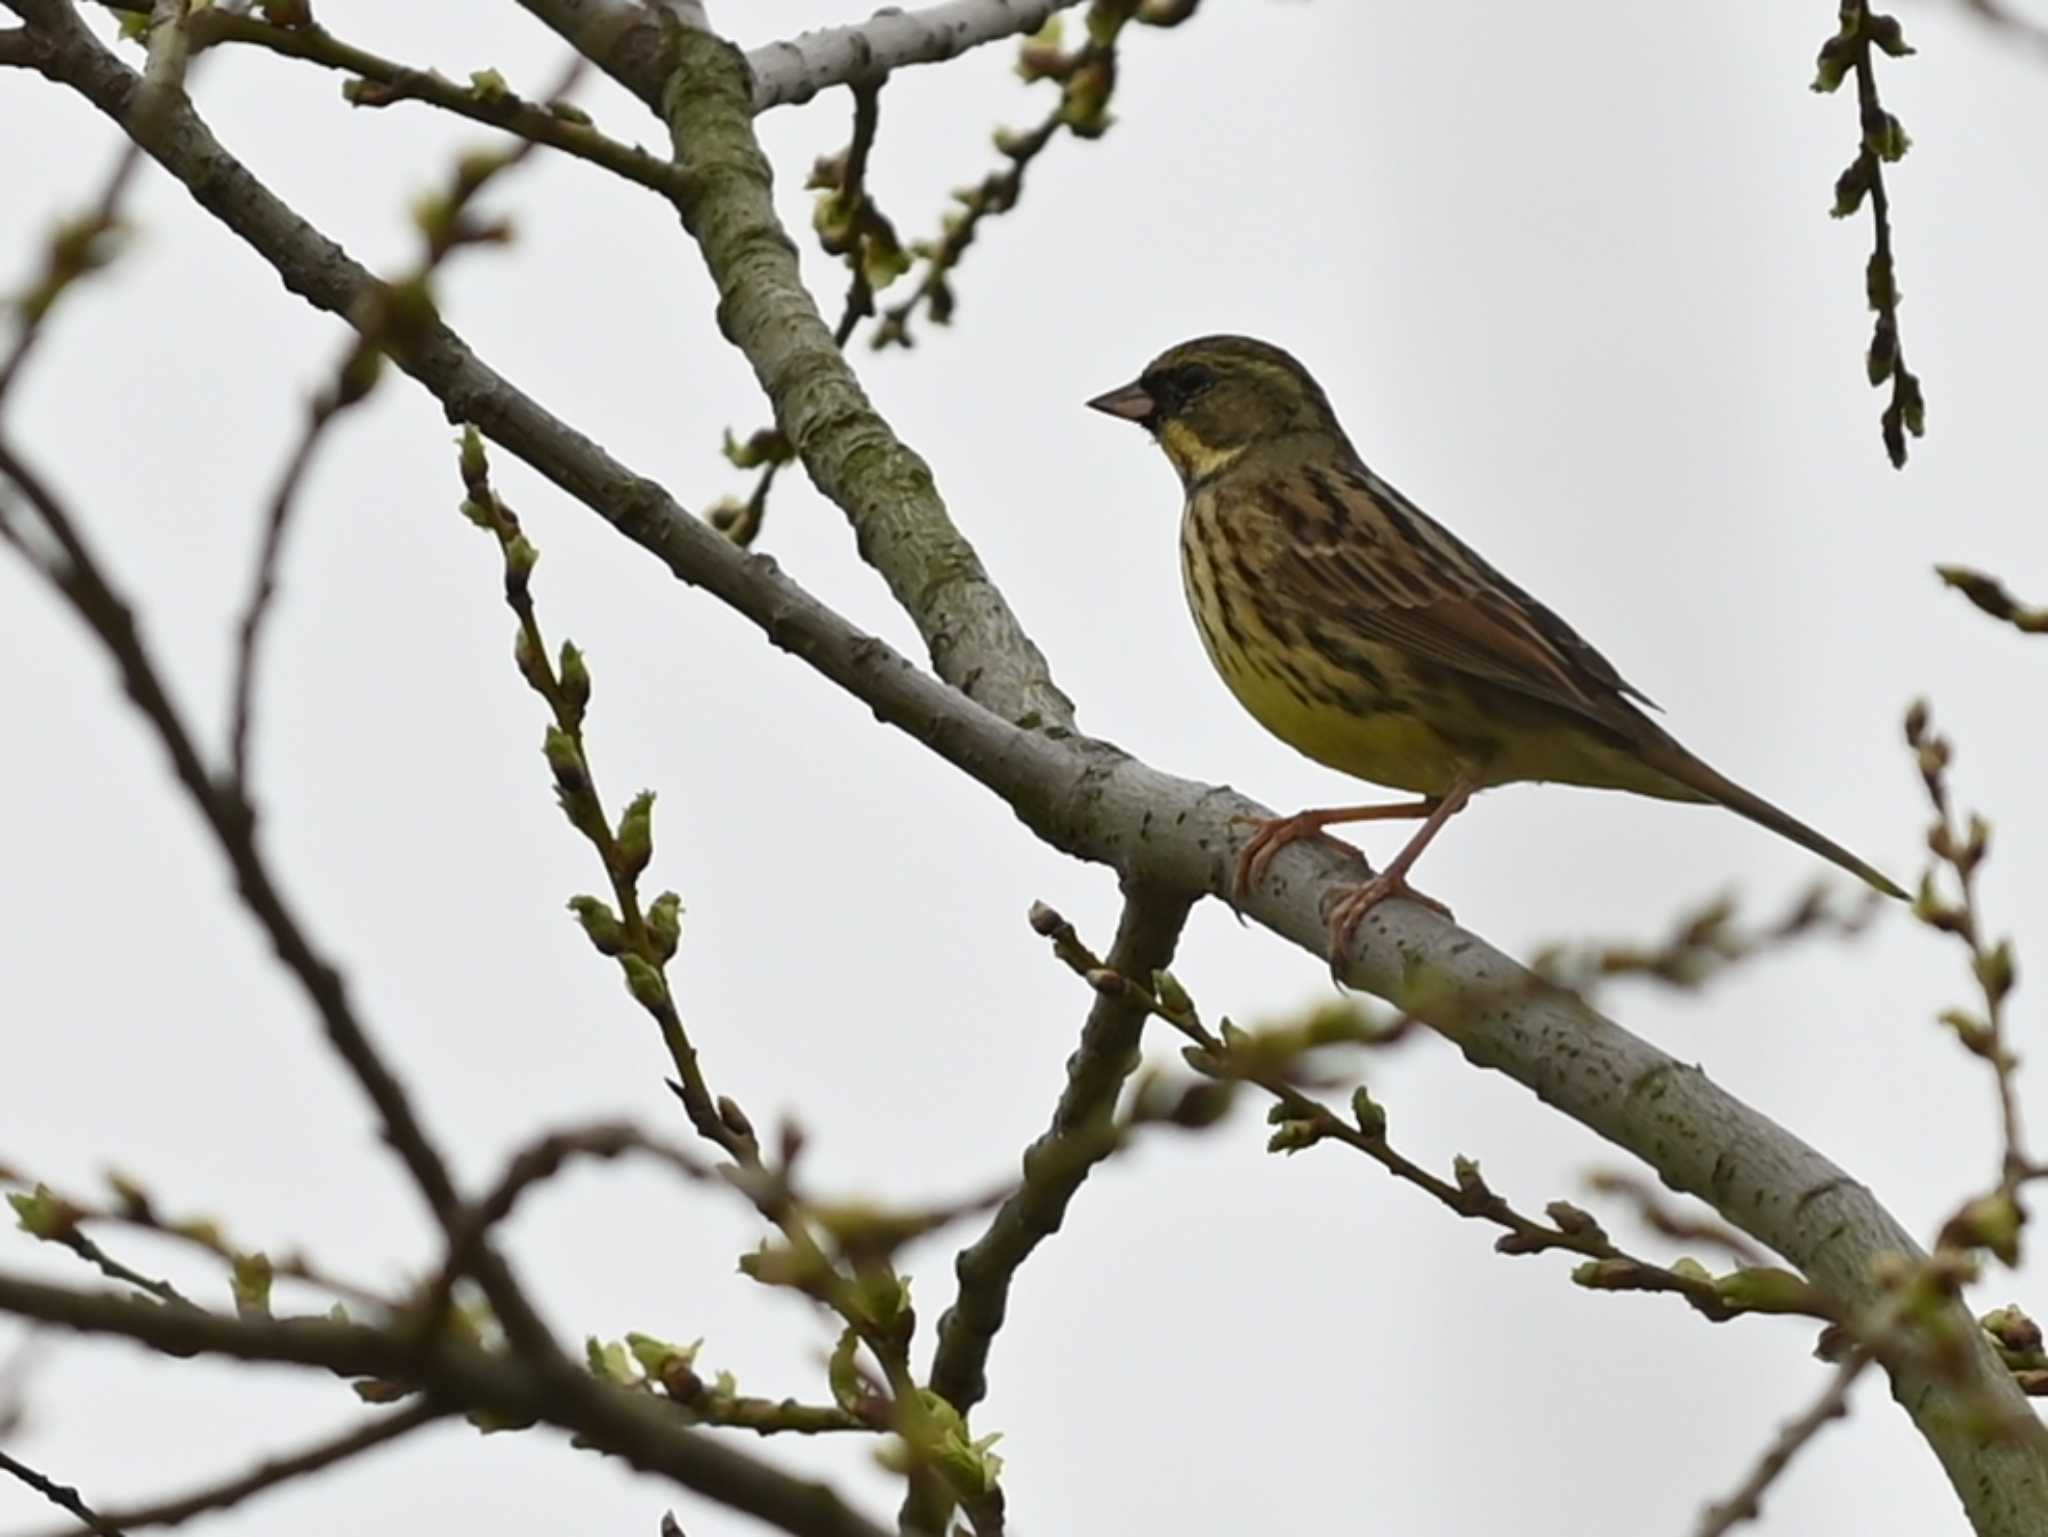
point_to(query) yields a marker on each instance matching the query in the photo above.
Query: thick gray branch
(700, 86)
(797, 68)
(1092, 800)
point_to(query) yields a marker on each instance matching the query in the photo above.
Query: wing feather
(1368, 560)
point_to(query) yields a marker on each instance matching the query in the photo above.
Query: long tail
(1671, 759)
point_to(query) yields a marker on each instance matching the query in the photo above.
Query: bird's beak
(1132, 402)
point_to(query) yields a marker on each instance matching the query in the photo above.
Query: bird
(1366, 635)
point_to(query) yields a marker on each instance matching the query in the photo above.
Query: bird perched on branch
(1369, 637)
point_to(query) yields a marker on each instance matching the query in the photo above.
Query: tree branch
(633, 1426)
(900, 523)
(1746, 1503)
(74, 570)
(1092, 800)
(63, 1496)
(271, 1472)
(700, 86)
(1106, 1056)
(796, 69)
(383, 82)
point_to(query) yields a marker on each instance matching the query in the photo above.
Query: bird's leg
(1353, 904)
(1272, 834)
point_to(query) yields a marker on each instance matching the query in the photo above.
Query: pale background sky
(1567, 272)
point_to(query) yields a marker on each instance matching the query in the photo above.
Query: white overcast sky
(1567, 272)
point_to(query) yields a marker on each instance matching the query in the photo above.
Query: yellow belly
(1383, 745)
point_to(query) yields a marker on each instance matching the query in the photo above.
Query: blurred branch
(75, 249)
(2004, 18)
(271, 1472)
(61, 1495)
(1705, 942)
(446, 226)
(19, 48)
(1087, 78)
(1106, 1056)
(1746, 1503)
(1301, 1122)
(1090, 799)
(73, 571)
(1657, 1214)
(50, 1219)
(61, 1218)
(1883, 141)
(541, 1160)
(461, 1378)
(383, 82)
(1989, 594)
(1962, 849)
(794, 70)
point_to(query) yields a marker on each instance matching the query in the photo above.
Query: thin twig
(76, 247)
(272, 1471)
(1664, 1219)
(1301, 1122)
(61, 1218)
(1881, 140)
(446, 227)
(1746, 1503)
(382, 82)
(75, 572)
(1086, 77)
(541, 1160)
(62, 1495)
(510, 1389)
(1989, 594)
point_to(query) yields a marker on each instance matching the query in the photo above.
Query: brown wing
(1366, 558)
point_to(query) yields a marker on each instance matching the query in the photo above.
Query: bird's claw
(1349, 905)
(1269, 836)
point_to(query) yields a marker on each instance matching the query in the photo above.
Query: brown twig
(551, 123)
(508, 1388)
(446, 227)
(76, 248)
(1301, 1122)
(861, 1289)
(273, 1471)
(1961, 848)
(641, 937)
(540, 1160)
(1086, 77)
(63, 1496)
(62, 1218)
(1746, 1503)
(1667, 1221)
(74, 571)
(1989, 594)
(1881, 141)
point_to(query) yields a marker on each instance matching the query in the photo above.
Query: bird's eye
(1175, 387)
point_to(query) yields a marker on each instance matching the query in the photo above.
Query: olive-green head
(1208, 400)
